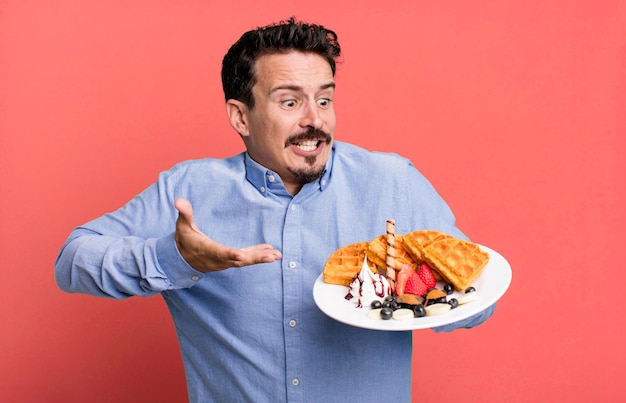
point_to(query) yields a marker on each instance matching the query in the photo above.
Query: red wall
(515, 110)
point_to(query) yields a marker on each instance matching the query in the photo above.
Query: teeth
(309, 145)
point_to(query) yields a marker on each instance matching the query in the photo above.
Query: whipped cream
(367, 286)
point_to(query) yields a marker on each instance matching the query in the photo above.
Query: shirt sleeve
(129, 252)
(468, 323)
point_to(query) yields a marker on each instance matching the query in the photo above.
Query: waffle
(459, 262)
(345, 263)
(377, 252)
(416, 241)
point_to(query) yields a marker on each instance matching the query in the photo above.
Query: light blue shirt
(254, 334)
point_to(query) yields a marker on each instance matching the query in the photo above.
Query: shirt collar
(266, 180)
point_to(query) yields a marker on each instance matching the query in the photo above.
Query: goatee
(309, 175)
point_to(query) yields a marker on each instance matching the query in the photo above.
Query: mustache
(310, 134)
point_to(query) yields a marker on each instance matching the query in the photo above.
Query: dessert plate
(491, 285)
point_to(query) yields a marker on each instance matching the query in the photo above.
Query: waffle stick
(377, 253)
(391, 254)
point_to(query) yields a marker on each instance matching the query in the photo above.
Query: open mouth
(308, 145)
(310, 141)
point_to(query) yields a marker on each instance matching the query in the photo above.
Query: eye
(289, 103)
(324, 102)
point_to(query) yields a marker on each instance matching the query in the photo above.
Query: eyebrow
(299, 88)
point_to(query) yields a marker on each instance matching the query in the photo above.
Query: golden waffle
(459, 262)
(344, 263)
(416, 241)
(377, 252)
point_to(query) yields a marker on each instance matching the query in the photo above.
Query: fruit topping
(402, 276)
(419, 311)
(415, 285)
(467, 298)
(403, 314)
(437, 309)
(435, 296)
(386, 313)
(409, 299)
(417, 299)
(427, 276)
(374, 313)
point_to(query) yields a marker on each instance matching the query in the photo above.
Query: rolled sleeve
(176, 269)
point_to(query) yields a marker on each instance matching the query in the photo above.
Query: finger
(185, 216)
(264, 253)
(260, 247)
(253, 255)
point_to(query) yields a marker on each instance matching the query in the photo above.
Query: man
(245, 317)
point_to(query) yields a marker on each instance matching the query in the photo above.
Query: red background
(515, 111)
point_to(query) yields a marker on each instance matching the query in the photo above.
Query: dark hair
(238, 65)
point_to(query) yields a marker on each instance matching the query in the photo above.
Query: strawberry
(401, 278)
(427, 276)
(415, 286)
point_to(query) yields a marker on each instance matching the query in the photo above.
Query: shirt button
(293, 207)
(195, 278)
(271, 178)
(292, 265)
(292, 323)
(262, 189)
(295, 381)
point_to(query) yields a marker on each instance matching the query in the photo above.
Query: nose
(311, 116)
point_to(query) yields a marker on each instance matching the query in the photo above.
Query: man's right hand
(206, 255)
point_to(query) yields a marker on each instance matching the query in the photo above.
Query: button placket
(292, 296)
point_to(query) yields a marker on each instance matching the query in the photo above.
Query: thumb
(185, 216)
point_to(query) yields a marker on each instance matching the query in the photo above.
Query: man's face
(290, 128)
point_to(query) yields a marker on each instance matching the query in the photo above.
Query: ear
(237, 116)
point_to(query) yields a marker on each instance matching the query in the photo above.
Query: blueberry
(386, 313)
(448, 289)
(470, 289)
(390, 298)
(376, 304)
(453, 303)
(419, 311)
(441, 300)
(387, 304)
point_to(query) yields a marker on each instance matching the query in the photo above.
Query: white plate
(491, 285)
